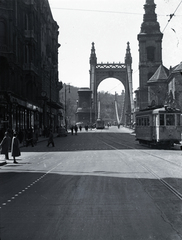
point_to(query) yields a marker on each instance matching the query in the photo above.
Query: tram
(100, 124)
(159, 126)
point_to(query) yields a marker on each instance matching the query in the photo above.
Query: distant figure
(72, 129)
(50, 140)
(15, 150)
(29, 139)
(5, 145)
(20, 136)
(76, 129)
(80, 127)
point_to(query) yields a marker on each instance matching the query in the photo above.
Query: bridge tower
(121, 71)
(150, 51)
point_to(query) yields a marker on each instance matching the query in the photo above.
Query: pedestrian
(50, 140)
(76, 129)
(29, 139)
(5, 145)
(20, 136)
(72, 129)
(80, 127)
(15, 150)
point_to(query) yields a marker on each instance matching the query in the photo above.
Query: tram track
(143, 151)
(149, 170)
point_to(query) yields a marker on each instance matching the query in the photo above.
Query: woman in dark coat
(15, 150)
(5, 145)
(76, 129)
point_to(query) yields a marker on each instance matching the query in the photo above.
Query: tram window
(161, 119)
(140, 122)
(170, 119)
(137, 122)
(148, 123)
(178, 119)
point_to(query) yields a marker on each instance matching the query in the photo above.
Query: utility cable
(171, 16)
(99, 11)
(90, 10)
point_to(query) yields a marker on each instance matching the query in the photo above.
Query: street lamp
(50, 99)
(91, 102)
(53, 68)
(65, 109)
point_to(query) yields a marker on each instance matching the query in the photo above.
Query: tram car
(159, 126)
(100, 124)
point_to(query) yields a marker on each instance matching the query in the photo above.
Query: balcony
(31, 2)
(30, 34)
(30, 67)
(4, 49)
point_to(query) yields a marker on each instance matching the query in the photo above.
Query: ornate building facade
(29, 85)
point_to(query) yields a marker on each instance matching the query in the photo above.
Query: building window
(26, 53)
(26, 22)
(151, 54)
(2, 33)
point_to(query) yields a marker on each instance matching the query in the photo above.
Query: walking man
(72, 129)
(50, 140)
(76, 129)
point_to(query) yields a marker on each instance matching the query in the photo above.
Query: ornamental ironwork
(111, 66)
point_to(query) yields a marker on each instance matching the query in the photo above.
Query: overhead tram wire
(90, 10)
(99, 11)
(171, 16)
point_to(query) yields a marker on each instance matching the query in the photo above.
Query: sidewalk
(41, 139)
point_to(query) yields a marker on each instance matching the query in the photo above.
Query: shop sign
(29, 105)
(18, 101)
(3, 100)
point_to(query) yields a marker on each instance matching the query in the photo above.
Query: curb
(2, 163)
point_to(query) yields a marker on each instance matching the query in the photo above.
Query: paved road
(97, 185)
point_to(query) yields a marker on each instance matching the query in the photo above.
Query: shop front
(54, 115)
(17, 114)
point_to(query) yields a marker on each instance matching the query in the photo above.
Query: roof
(164, 109)
(161, 75)
(178, 68)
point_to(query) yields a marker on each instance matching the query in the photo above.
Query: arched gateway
(120, 71)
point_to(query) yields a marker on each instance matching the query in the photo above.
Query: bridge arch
(120, 71)
(105, 85)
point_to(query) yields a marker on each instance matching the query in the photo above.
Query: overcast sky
(110, 24)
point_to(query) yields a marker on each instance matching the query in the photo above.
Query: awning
(55, 105)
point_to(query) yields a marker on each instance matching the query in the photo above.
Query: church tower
(150, 50)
